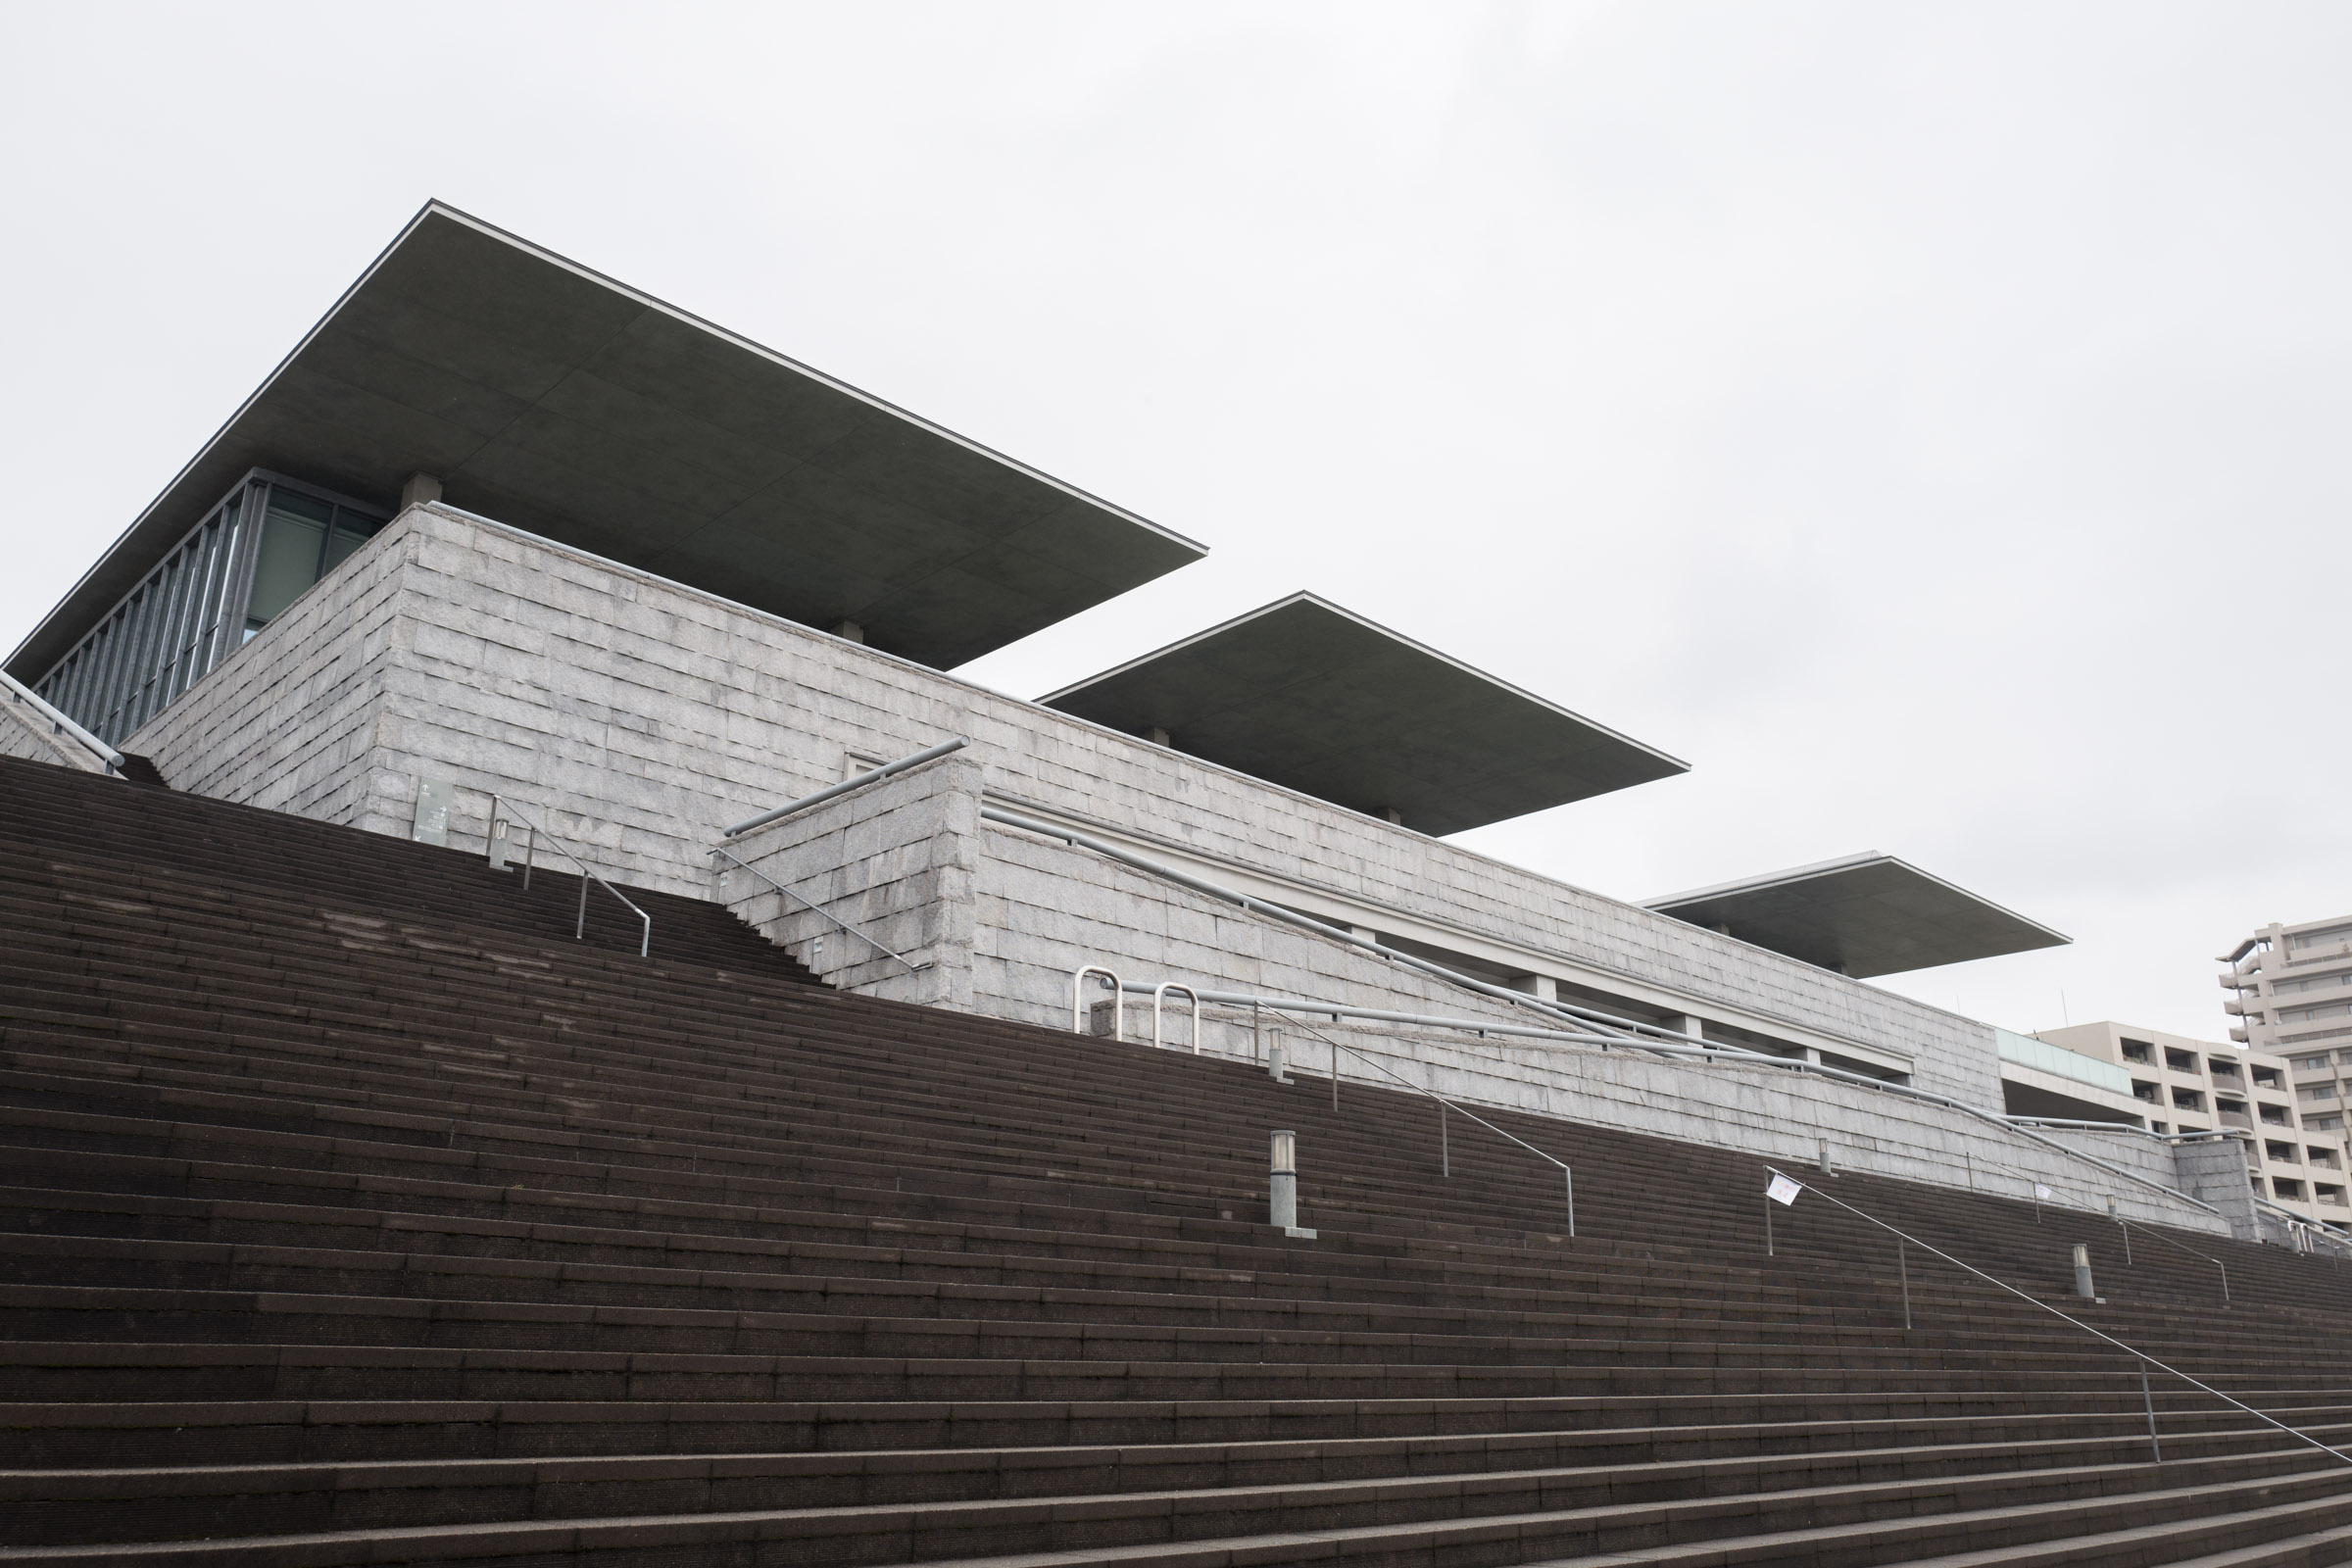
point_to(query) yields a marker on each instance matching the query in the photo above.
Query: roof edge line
(210, 442)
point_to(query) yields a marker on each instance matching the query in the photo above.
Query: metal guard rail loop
(822, 913)
(2332, 1232)
(1118, 1012)
(2140, 1356)
(856, 782)
(60, 724)
(1598, 1028)
(500, 804)
(1078, 981)
(1159, 994)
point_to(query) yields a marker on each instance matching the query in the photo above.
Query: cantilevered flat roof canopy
(558, 401)
(1308, 695)
(1867, 915)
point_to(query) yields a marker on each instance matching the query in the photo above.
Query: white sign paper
(1783, 1190)
(2041, 1192)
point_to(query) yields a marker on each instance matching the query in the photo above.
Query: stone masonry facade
(638, 718)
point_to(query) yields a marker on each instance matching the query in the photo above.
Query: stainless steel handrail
(1159, 994)
(59, 723)
(1078, 981)
(1699, 1050)
(821, 912)
(499, 805)
(2331, 1232)
(2168, 1242)
(1118, 1011)
(1605, 1030)
(1567, 1175)
(2143, 1356)
(857, 782)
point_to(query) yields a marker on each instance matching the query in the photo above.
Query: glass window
(293, 546)
(351, 531)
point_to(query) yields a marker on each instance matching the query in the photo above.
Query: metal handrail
(59, 723)
(1568, 1176)
(2168, 1242)
(1603, 1029)
(1704, 1052)
(821, 911)
(2331, 1232)
(856, 782)
(1159, 994)
(2143, 1356)
(500, 804)
(1118, 1012)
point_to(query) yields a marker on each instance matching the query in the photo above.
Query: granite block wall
(896, 861)
(25, 733)
(639, 716)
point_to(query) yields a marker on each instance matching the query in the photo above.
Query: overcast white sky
(1928, 421)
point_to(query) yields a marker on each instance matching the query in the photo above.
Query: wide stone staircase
(352, 1213)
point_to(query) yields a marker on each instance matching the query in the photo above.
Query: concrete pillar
(1156, 735)
(423, 489)
(849, 631)
(1683, 1023)
(1394, 815)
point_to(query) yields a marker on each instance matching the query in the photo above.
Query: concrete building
(507, 548)
(2292, 993)
(2171, 1084)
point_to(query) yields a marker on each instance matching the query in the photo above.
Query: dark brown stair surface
(351, 1210)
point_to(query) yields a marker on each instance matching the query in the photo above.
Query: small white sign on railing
(2041, 1194)
(1783, 1191)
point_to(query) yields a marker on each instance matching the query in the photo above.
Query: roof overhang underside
(556, 400)
(1304, 694)
(1869, 914)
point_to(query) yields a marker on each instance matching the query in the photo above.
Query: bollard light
(1281, 1182)
(2082, 1272)
(2114, 1210)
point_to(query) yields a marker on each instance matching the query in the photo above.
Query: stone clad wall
(25, 733)
(641, 717)
(293, 720)
(896, 860)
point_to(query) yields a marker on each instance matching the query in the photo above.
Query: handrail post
(502, 809)
(1118, 1006)
(1160, 991)
(1568, 1177)
(1445, 1147)
(1902, 1269)
(2149, 1399)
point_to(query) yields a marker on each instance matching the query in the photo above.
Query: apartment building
(2181, 1085)
(2290, 992)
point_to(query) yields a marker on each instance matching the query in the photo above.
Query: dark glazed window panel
(293, 544)
(351, 531)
